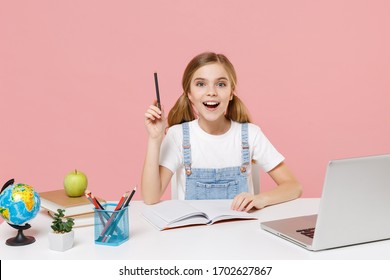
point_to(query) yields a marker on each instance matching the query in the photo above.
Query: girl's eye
(200, 84)
(221, 84)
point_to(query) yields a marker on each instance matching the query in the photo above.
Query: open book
(177, 213)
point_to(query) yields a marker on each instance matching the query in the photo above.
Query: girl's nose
(212, 91)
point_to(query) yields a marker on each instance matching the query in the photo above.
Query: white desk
(233, 240)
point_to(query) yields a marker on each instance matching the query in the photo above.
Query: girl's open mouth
(211, 104)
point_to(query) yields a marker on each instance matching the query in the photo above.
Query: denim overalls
(220, 183)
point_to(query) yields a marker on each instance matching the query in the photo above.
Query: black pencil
(128, 199)
(131, 196)
(157, 90)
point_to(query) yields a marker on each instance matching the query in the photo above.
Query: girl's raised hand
(155, 121)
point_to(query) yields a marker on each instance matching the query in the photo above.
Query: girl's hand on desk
(246, 201)
(155, 122)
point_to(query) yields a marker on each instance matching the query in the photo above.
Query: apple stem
(75, 171)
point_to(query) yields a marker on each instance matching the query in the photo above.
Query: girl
(211, 144)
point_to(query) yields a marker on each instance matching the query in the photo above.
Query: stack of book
(78, 208)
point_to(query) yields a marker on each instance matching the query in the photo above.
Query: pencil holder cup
(111, 227)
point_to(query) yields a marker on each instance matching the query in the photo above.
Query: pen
(157, 90)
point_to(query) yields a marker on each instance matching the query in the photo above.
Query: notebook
(354, 207)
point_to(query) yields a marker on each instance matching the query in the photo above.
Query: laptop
(354, 207)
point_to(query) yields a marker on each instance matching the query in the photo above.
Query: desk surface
(231, 240)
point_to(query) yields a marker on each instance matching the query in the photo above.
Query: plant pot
(61, 241)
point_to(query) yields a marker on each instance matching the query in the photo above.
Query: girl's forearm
(284, 192)
(151, 181)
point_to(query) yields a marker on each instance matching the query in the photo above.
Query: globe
(19, 203)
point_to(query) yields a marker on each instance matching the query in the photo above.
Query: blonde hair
(183, 111)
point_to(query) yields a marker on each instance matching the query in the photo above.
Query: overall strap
(186, 148)
(245, 158)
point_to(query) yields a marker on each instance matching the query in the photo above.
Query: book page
(154, 219)
(175, 210)
(161, 224)
(218, 212)
(173, 213)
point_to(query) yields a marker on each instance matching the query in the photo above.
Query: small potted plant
(61, 238)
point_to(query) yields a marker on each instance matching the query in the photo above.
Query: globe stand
(20, 239)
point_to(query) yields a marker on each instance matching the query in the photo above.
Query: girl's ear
(232, 95)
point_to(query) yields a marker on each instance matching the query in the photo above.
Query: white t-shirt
(215, 151)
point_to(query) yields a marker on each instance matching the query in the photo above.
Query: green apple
(75, 183)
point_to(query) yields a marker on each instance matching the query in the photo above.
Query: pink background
(77, 76)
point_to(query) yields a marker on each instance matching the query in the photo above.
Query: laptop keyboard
(309, 232)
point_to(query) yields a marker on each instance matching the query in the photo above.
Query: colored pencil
(95, 200)
(130, 197)
(113, 215)
(113, 224)
(89, 197)
(96, 207)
